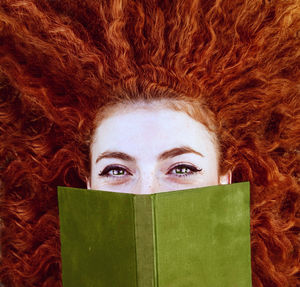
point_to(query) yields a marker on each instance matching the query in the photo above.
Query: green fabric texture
(193, 238)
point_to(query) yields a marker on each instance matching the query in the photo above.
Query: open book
(188, 238)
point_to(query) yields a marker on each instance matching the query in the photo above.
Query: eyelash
(109, 168)
(193, 170)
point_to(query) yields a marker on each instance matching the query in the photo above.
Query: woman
(63, 60)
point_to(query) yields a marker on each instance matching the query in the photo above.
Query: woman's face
(145, 150)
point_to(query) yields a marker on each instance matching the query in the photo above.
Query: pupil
(117, 172)
(182, 170)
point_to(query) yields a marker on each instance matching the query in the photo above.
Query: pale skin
(143, 149)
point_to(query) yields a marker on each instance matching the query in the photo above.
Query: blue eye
(183, 170)
(115, 171)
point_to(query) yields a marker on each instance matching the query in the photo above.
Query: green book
(188, 238)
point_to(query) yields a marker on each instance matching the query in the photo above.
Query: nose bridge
(148, 182)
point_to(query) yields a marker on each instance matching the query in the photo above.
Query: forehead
(141, 129)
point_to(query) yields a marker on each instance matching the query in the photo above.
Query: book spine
(144, 239)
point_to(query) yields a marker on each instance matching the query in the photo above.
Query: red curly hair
(62, 60)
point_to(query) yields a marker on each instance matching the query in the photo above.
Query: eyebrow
(165, 155)
(115, 154)
(178, 151)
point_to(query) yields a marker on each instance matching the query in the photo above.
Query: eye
(114, 171)
(183, 170)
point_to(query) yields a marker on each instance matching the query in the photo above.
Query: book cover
(196, 237)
